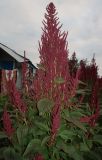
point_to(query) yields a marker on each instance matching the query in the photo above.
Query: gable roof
(14, 54)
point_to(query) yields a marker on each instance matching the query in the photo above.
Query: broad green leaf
(89, 143)
(98, 139)
(70, 150)
(37, 132)
(33, 145)
(56, 154)
(45, 140)
(42, 126)
(66, 134)
(76, 114)
(73, 153)
(63, 155)
(22, 132)
(76, 123)
(10, 154)
(44, 106)
(84, 147)
(32, 112)
(60, 143)
(44, 150)
(54, 151)
(59, 80)
(65, 113)
(73, 120)
(77, 156)
(92, 156)
(2, 151)
(2, 135)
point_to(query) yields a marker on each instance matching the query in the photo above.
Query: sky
(21, 22)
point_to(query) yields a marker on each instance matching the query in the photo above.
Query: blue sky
(21, 22)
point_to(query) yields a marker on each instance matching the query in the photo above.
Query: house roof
(14, 54)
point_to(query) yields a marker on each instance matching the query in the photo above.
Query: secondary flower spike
(94, 106)
(14, 94)
(7, 124)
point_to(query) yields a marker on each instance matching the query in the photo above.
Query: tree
(73, 64)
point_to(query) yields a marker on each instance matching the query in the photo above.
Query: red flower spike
(7, 124)
(56, 118)
(54, 65)
(94, 106)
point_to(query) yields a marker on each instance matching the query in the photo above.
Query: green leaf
(33, 145)
(10, 154)
(1, 152)
(76, 114)
(65, 113)
(44, 106)
(76, 123)
(60, 143)
(70, 150)
(84, 147)
(92, 156)
(45, 140)
(59, 80)
(31, 113)
(67, 134)
(63, 155)
(42, 126)
(55, 154)
(22, 132)
(73, 153)
(2, 135)
(37, 132)
(98, 139)
(89, 143)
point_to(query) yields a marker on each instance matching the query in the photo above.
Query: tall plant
(53, 79)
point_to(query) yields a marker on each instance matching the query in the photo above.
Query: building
(10, 60)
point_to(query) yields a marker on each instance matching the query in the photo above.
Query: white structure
(10, 60)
